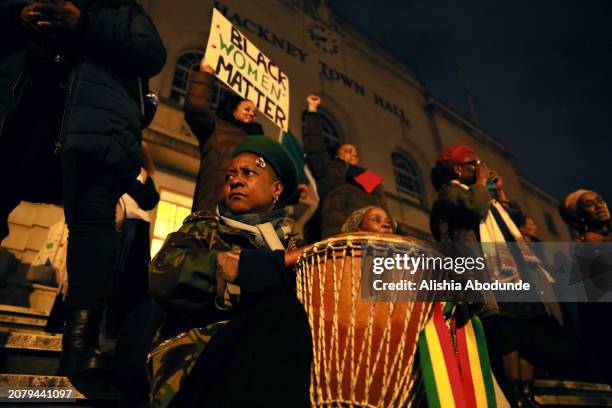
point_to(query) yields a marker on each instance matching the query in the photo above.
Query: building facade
(369, 99)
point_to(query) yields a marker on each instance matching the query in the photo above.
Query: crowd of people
(219, 321)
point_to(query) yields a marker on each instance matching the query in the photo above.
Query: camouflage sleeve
(185, 267)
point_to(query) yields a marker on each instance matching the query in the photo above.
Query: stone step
(17, 340)
(565, 393)
(86, 392)
(20, 310)
(19, 291)
(22, 317)
(29, 352)
(572, 385)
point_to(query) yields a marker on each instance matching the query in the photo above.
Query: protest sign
(247, 71)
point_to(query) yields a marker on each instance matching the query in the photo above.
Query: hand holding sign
(246, 70)
(204, 67)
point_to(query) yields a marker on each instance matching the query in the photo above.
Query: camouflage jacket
(184, 281)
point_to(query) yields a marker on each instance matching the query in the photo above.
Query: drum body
(364, 352)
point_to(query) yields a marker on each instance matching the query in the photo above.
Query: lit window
(187, 63)
(407, 177)
(172, 210)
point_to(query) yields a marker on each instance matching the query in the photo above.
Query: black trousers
(260, 359)
(130, 285)
(89, 190)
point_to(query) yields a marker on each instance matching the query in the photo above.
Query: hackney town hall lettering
(293, 50)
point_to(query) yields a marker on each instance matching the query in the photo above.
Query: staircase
(551, 393)
(29, 359)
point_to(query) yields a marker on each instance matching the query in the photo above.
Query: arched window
(188, 62)
(331, 132)
(407, 177)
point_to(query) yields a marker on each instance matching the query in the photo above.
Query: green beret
(276, 156)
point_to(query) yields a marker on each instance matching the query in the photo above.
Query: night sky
(539, 71)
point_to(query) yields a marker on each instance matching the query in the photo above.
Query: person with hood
(73, 78)
(218, 133)
(470, 208)
(342, 185)
(235, 333)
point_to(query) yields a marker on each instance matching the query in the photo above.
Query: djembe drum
(364, 351)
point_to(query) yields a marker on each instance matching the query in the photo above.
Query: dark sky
(539, 70)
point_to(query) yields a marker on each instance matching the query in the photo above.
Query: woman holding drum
(234, 334)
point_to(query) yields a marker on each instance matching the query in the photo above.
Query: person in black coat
(73, 77)
(342, 184)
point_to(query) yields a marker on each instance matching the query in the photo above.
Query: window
(333, 137)
(550, 223)
(407, 178)
(172, 210)
(187, 63)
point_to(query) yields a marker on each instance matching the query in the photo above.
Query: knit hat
(453, 155)
(275, 155)
(448, 157)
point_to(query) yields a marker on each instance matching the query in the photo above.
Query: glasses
(474, 163)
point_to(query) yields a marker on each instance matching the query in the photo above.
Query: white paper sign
(246, 70)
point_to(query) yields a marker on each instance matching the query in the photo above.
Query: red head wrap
(453, 155)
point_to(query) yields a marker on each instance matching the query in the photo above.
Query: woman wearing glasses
(472, 207)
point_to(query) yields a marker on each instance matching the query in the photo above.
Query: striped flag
(456, 378)
(295, 150)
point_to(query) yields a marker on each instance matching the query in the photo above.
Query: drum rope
(330, 343)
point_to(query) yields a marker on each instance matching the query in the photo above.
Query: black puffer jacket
(114, 51)
(340, 195)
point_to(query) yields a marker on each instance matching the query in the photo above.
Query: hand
(143, 175)
(29, 17)
(57, 15)
(482, 174)
(206, 68)
(303, 189)
(119, 216)
(499, 183)
(227, 265)
(292, 256)
(313, 102)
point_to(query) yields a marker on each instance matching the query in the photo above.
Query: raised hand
(313, 102)
(56, 16)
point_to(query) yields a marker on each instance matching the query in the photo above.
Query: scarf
(269, 229)
(500, 262)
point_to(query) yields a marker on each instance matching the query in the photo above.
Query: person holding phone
(471, 207)
(71, 98)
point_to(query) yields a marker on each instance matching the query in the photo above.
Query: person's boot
(81, 355)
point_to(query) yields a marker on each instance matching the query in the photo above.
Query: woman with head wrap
(342, 184)
(370, 219)
(587, 213)
(235, 334)
(218, 133)
(471, 207)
